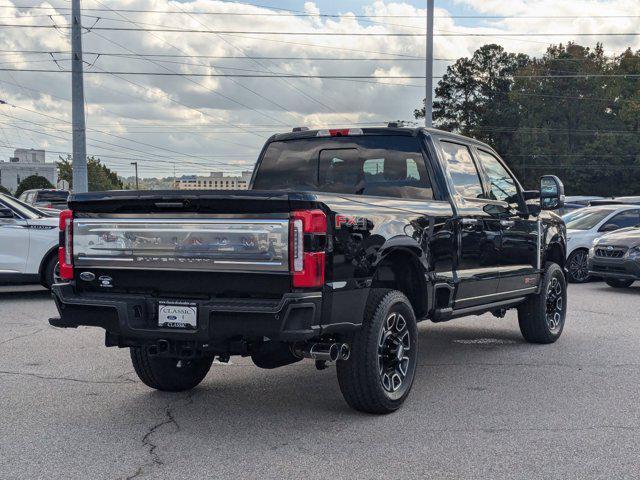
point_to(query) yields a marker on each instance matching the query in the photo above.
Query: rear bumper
(622, 268)
(132, 319)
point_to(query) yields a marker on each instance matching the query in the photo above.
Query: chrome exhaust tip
(328, 352)
(325, 352)
(345, 351)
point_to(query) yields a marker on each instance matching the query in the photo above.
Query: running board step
(444, 314)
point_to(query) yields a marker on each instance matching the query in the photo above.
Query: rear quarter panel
(365, 230)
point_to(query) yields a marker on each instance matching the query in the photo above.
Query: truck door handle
(507, 223)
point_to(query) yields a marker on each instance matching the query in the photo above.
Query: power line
(199, 84)
(154, 160)
(297, 13)
(406, 58)
(286, 82)
(328, 77)
(330, 34)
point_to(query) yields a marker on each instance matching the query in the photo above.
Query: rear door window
(629, 218)
(462, 169)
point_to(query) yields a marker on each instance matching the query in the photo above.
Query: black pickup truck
(344, 241)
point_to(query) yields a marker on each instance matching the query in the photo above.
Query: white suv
(28, 244)
(588, 224)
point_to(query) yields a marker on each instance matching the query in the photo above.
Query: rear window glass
(52, 196)
(377, 165)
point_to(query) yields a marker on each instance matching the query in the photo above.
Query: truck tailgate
(229, 243)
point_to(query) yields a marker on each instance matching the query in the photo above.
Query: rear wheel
(541, 317)
(618, 283)
(169, 374)
(51, 272)
(577, 266)
(379, 373)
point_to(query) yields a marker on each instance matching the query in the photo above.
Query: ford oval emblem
(172, 317)
(87, 277)
(609, 248)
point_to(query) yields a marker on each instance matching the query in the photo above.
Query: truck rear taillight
(65, 248)
(307, 263)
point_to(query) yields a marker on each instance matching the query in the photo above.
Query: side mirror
(609, 227)
(551, 193)
(6, 213)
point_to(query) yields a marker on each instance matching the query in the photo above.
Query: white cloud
(214, 121)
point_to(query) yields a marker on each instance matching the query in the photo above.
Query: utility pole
(80, 181)
(136, 165)
(428, 99)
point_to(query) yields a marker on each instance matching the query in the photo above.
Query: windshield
(585, 219)
(21, 208)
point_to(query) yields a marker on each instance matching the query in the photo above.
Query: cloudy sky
(200, 122)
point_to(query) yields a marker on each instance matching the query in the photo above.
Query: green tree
(100, 177)
(4, 190)
(31, 183)
(563, 113)
(473, 96)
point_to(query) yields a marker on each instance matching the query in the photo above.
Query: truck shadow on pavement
(236, 393)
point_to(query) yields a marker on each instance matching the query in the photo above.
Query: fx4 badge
(356, 223)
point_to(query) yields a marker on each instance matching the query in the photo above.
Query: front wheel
(542, 316)
(577, 267)
(169, 374)
(379, 373)
(618, 283)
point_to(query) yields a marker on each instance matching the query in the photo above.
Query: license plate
(178, 315)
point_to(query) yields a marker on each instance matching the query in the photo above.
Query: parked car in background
(46, 198)
(617, 201)
(46, 212)
(616, 257)
(588, 224)
(28, 244)
(573, 203)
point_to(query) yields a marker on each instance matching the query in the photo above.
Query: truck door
(14, 243)
(519, 249)
(478, 228)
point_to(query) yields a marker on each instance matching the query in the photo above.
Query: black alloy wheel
(555, 305)
(577, 266)
(394, 353)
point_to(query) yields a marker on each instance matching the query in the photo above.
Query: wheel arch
(400, 267)
(52, 252)
(556, 252)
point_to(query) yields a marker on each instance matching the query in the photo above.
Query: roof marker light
(339, 132)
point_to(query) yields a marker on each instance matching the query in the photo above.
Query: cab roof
(400, 131)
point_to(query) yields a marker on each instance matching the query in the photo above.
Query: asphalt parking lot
(484, 405)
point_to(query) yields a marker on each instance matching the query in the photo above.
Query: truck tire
(542, 316)
(169, 374)
(618, 282)
(379, 373)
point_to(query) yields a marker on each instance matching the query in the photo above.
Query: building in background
(23, 155)
(23, 164)
(215, 181)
